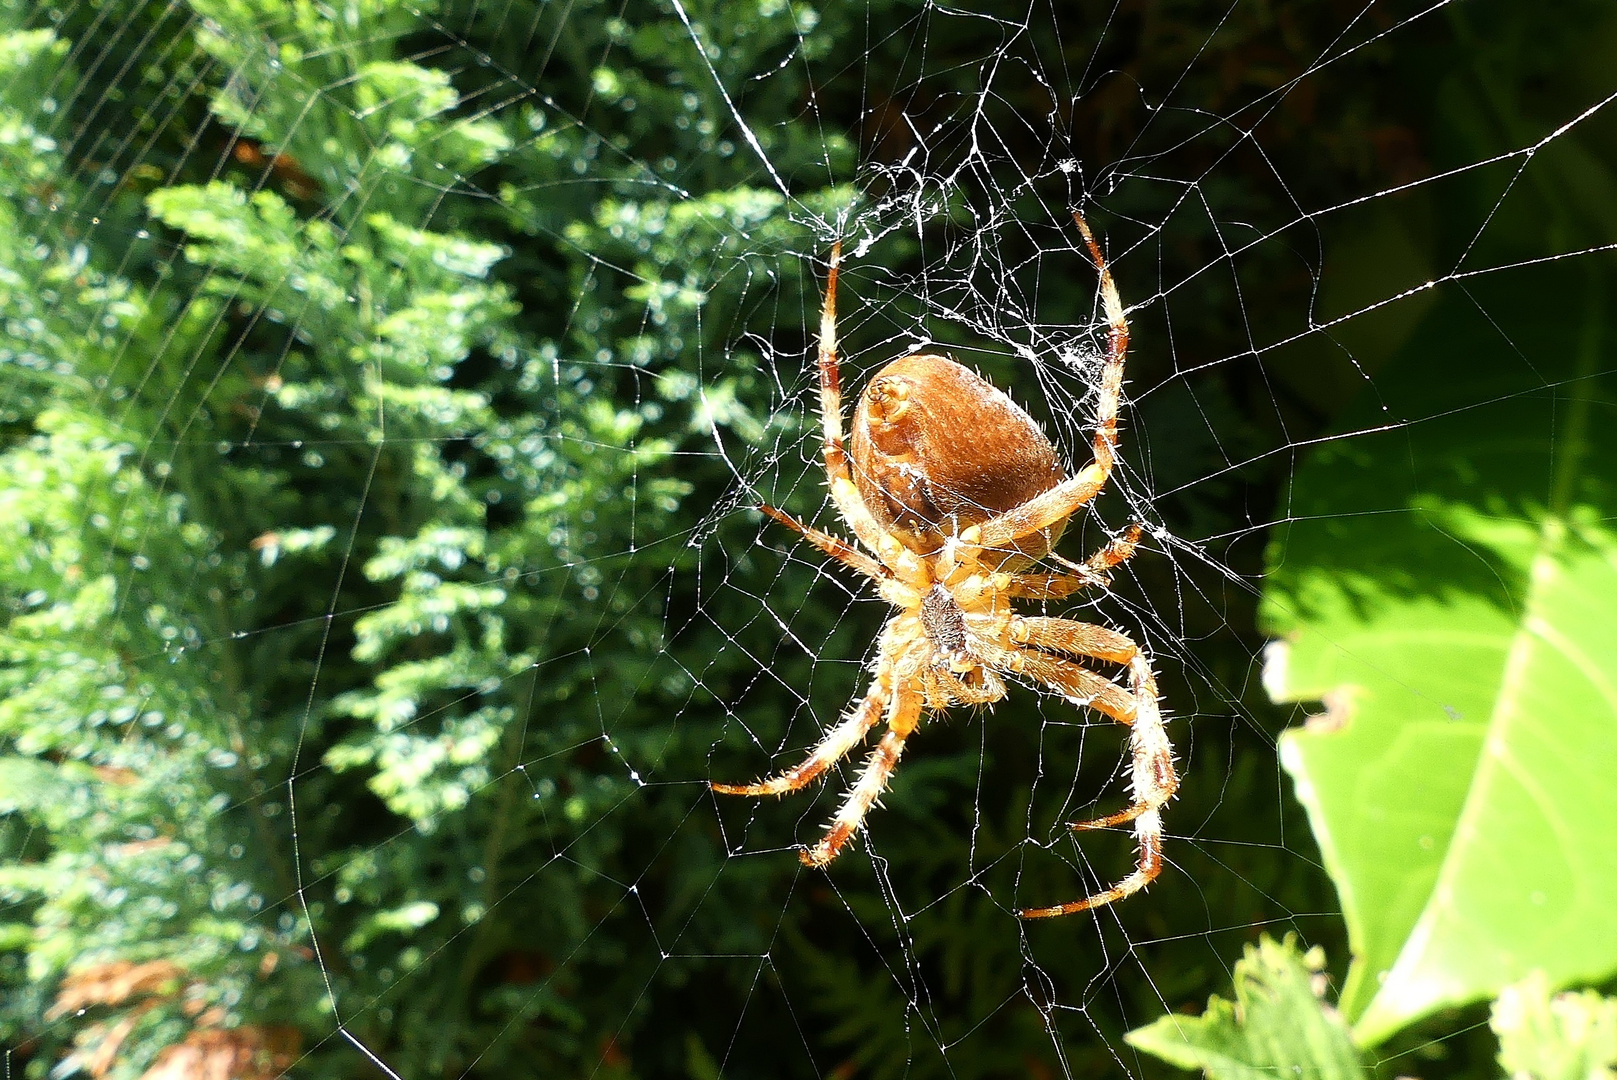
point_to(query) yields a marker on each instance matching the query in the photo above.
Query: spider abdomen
(937, 448)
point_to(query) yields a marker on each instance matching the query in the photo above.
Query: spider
(954, 492)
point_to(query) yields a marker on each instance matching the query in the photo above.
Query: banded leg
(831, 749)
(1152, 776)
(1153, 780)
(834, 546)
(1076, 683)
(1148, 865)
(1117, 347)
(903, 718)
(1072, 638)
(1059, 502)
(844, 492)
(1093, 572)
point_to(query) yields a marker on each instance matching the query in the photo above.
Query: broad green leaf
(1564, 1037)
(1277, 1025)
(1448, 587)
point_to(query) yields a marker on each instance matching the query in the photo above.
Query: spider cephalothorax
(955, 493)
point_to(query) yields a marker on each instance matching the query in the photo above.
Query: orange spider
(956, 492)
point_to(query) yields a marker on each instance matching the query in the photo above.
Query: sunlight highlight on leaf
(1462, 624)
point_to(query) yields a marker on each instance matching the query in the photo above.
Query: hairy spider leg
(1092, 572)
(1073, 638)
(1061, 501)
(1046, 586)
(846, 735)
(834, 546)
(1076, 683)
(1153, 763)
(903, 717)
(833, 747)
(844, 493)
(1153, 778)
(1117, 347)
(1148, 834)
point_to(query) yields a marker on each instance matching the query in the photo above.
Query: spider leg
(1058, 504)
(1148, 832)
(1046, 586)
(1041, 511)
(1076, 683)
(1154, 779)
(1117, 347)
(831, 749)
(1115, 553)
(1092, 572)
(833, 546)
(850, 504)
(1152, 776)
(1072, 638)
(902, 719)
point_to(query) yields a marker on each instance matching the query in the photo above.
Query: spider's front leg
(844, 492)
(1061, 501)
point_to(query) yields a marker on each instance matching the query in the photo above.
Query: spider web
(389, 388)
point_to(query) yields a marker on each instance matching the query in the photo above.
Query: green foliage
(1277, 1024)
(1461, 631)
(310, 517)
(1555, 1037)
(1449, 590)
(378, 586)
(1280, 1024)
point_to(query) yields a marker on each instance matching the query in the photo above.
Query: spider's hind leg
(1148, 865)
(1152, 776)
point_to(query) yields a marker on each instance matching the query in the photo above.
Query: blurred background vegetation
(386, 386)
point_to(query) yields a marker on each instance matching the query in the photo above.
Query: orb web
(389, 389)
